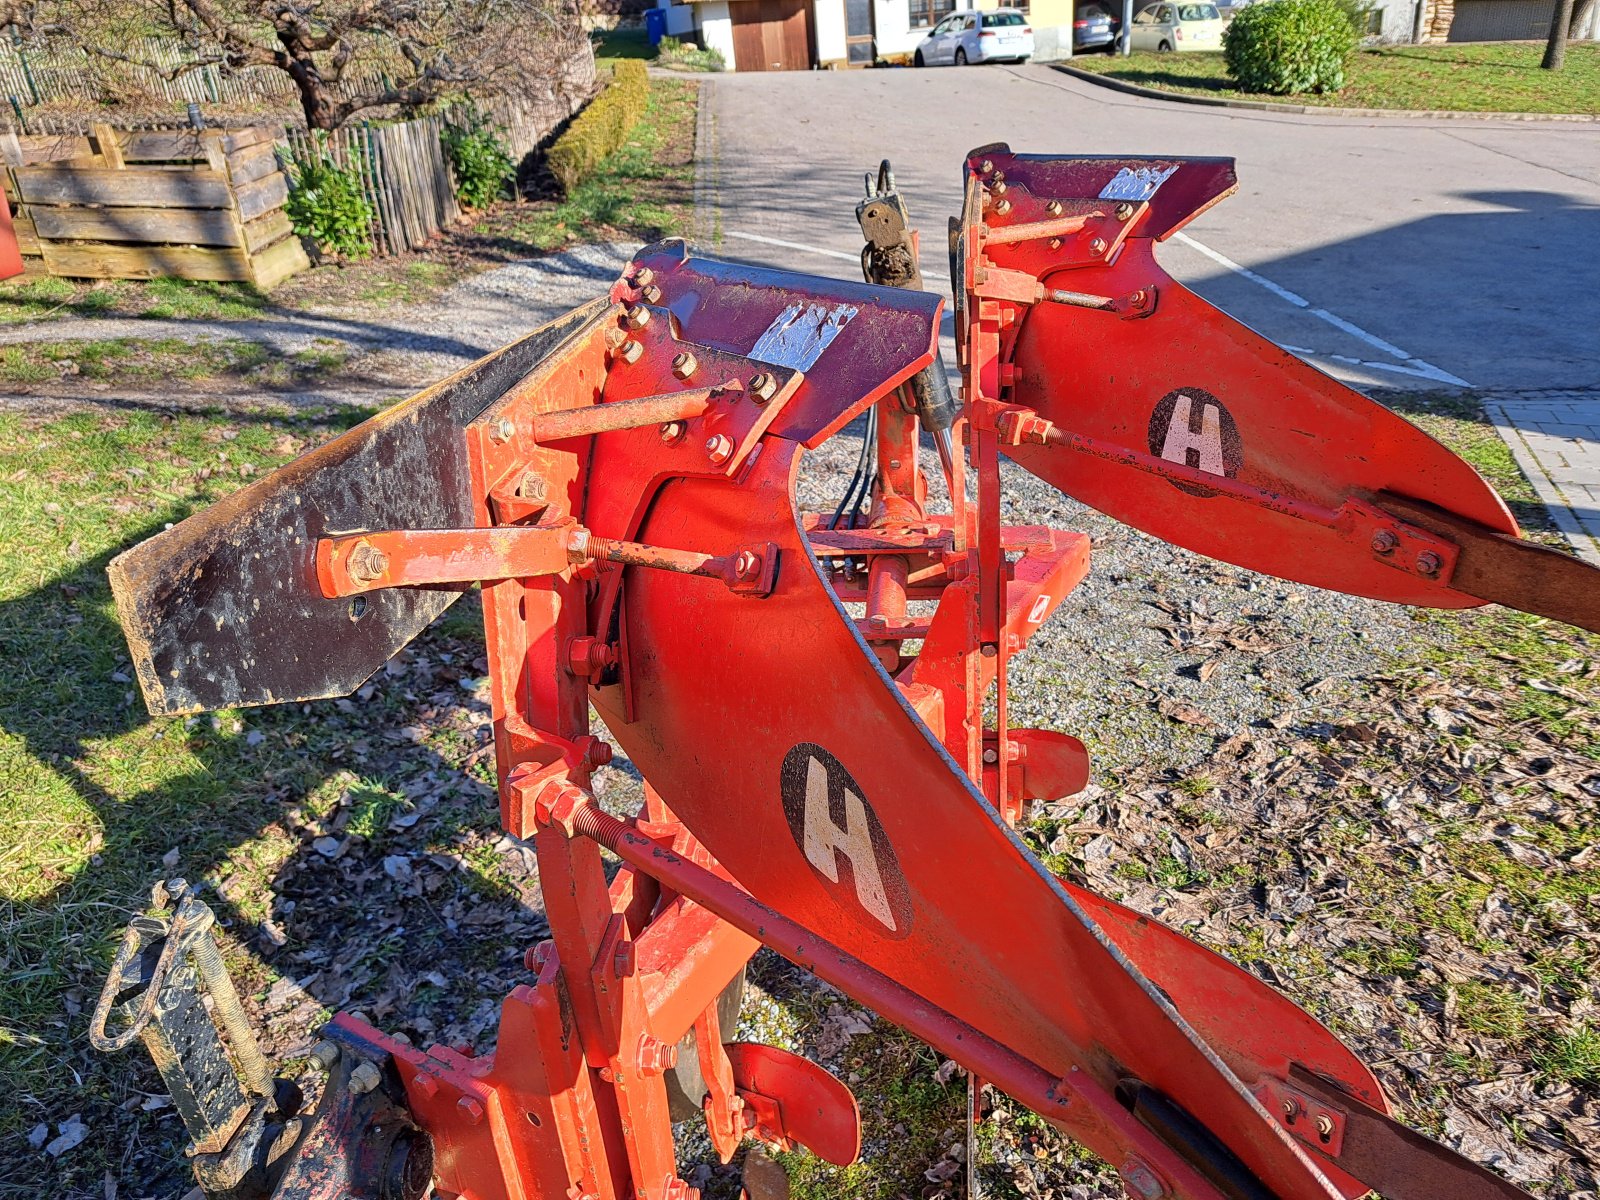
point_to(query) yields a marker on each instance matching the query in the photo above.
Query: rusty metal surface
(224, 609)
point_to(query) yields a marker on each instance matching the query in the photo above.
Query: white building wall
(894, 32)
(830, 30)
(716, 29)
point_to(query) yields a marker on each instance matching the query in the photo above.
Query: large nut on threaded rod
(559, 802)
(655, 1056)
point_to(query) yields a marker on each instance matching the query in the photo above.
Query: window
(929, 12)
(994, 20)
(1198, 12)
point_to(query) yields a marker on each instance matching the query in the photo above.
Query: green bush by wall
(602, 128)
(1288, 46)
(328, 205)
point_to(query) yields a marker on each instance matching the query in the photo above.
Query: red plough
(820, 774)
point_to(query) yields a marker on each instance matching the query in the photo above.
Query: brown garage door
(770, 35)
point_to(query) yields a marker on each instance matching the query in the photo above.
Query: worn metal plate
(224, 610)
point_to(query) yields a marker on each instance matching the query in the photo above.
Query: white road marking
(1413, 364)
(1407, 364)
(805, 249)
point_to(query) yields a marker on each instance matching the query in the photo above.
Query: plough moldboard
(805, 695)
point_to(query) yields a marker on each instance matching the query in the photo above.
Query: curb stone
(1134, 89)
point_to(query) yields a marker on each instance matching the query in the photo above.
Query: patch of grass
(611, 45)
(1458, 77)
(202, 300)
(645, 190)
(1493, 1010)
(1572, 1057)
(145, 360)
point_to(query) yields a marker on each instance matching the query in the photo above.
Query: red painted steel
(833, 785)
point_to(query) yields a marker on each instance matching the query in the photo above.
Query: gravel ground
(1165, 663)
(392, 353)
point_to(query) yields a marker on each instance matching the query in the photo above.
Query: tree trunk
(1555, 50)
(1580, 16)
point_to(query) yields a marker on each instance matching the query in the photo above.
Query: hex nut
(502, 430)
(652, 294)
(325, 1054)
(747, 565)
(1097, 247)
(763, 387)
(719, 448)
(636, 316)
(1053, 208)
(643, 277)
(1124, 211)
(364, 1078)
(366, 562)
(630, 352)
(1384, 542)
(1429, 563)
(683, 364)
(672, 432)
(1003, 207)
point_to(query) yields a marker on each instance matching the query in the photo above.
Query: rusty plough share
(819, 774)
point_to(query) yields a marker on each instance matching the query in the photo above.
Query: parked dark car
(1094, 28)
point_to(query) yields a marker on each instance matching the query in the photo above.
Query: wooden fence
(404, 174)
(32, 76)
(140, 204)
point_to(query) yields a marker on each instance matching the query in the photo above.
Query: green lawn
(1466, 77)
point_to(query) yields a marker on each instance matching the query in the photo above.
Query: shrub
(602, 128)
(327, 204)
(1286, 46)
(686, 56)
(481, 164)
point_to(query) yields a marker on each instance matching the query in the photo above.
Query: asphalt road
(1392, 252)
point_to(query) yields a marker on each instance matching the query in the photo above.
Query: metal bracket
(1313, 1121)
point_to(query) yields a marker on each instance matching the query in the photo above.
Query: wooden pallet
(205, 204)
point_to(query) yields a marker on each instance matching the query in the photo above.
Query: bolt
(1384, 542)
(536, 955)
(672, 432)
(533, 487)
(366, 562)
(1097, 247)
(652, 294)
(1055, 243)
(1429, 563)
(1053, 208)
(1124, 211)
(747, 565)
(986, 166)
(1325, 1127)
(630, 352)
(325, 1054)
(1141, 1180)
(991, 755)
(763, 387)
(719, 448)
(683, 364)
(471, 1110)
(364, 1078)
(614, 338)
(1291, 1109)
(999, 187)
(656, 1056)
(988, 650)
(425, 1083)
(1003, 207)
(502, 430)
(643, 277)
(636, 316)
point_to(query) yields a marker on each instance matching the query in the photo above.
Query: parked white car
(1165, 27)
(968, 36)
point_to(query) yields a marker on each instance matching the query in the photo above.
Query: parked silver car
(1165, 27)
(968, 36)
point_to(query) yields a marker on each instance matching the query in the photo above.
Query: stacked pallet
(205, 204)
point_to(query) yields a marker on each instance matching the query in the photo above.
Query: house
(795, 35)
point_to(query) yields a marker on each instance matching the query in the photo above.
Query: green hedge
(601, 129)
(1288, 46)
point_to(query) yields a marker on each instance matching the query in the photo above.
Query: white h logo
(825, 841)
(1207, 444)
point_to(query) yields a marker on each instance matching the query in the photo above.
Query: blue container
(655, 24)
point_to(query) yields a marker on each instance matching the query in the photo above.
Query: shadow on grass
(105, 800)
